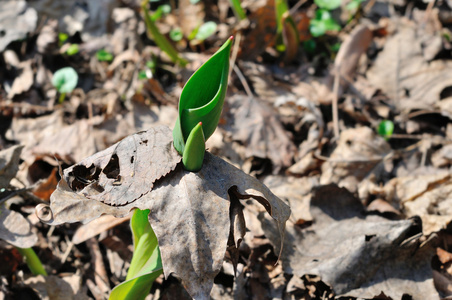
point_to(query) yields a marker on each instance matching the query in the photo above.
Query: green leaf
(354, 5)
(160, 11)
(195, 148)
(146, 264)
(103, 55)
(65, 80)
(322, 23)
(62, 37)
(328, 4)
(73, 49)
(202, 97)
(206, 30)
(238, 10)
(145, 242)
(386, 128)
(176, 34)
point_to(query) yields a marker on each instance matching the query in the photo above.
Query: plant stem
(32, 260)
(62, 96)
(238, 10)
(161, 41)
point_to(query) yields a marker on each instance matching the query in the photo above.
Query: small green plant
(200, 106)
(162, 42)
(73, 49)
(65, 80)
(206, 30)
(322, 23)
(104, 55)
(386, 129)
(62, 38)
(176, 34)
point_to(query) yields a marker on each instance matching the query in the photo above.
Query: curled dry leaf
(190, 212)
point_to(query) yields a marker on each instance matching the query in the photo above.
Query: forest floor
(350, 127)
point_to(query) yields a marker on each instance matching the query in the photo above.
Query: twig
(335, 103)
(243, 81)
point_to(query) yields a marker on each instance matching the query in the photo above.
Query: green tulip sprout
(201, 100)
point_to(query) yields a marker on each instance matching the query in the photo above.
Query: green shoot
(238, 10)
(287, 33)
(194, 149)
(202, 98)
(322, 23)
(32, 260)
(200, 106)
(161, 41)
(72, 50)
(146, 264)
(328, 4)
(62, 37)
(103, 55)
(386, 128)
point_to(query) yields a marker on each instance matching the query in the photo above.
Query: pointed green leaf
(145, 242)
(194, 149)
(146, 264)
(202, 97)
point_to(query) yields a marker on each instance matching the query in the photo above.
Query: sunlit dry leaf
(97, 226)
(358, 152)
(56, 288)
(358, 255)
(402, 72)
(254, 125)
(190, 212)
(15, 229)
(9, 164)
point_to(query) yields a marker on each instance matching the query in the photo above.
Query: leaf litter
(370, 217)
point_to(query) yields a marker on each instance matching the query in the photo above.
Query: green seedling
(322, 23)
(386, 129)
(206, 30)
(201, 100)
(328, 4)
(104, 55)
(146, 264)
(62, 38)
(287, 33)
(73, 49)
(160, 11)
(176, 34)
(162, 42)
(65, 80)
(33, 261)
(238, 10)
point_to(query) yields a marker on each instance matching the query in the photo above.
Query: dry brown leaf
(95, 227)
(358, 255)
(15, 229)
(352, 48)
(255, 125)
(190, 212)
(402, 72)
(55, 288)
(24, 81)
(358, 152)
(9, 164)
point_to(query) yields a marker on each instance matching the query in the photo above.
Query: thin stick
(335, 103)
(243, 81)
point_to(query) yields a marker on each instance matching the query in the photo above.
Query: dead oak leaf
(190, 214)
